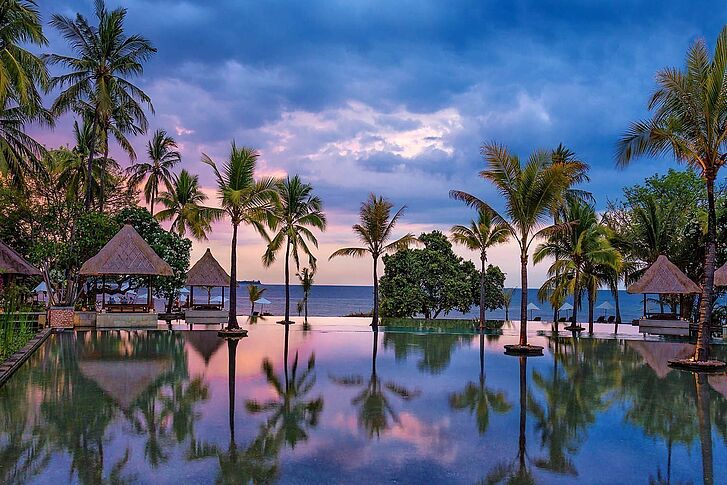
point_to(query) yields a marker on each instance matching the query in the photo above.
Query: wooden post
(103, 292)
(191, 297)
(223, 298)
(148, 295)
(644, 305)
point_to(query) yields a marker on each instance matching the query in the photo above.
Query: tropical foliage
(297, 211)
(375, 231)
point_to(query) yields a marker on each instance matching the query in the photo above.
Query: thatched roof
(124, 380)
(205, 342)
(126, 254)
(663, 277)
(720, 276)
(658, 354)
(13, 263)
(207, 272)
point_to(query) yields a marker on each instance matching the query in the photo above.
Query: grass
(15, 332)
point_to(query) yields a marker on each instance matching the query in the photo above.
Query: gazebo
(126, 254)
(720, 276)
(207, 273)
(13, 264)
(664, 278)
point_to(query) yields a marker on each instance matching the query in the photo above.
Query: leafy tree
(182, 202)
(479, 236)
(297, 211)
(245, 201)
(530, 192)
(97, 85)
(428, 281)
(689, 120)
(163, 156)
(375, 231)
(172, 248)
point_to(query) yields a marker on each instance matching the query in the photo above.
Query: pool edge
(15, 361)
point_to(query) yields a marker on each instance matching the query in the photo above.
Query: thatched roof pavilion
(12, 263)
(205, 342)
(658, 354)
(664, 278)
(207, 272)
(720, 276)
(126, 254)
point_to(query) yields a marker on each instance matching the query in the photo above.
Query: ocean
(340, 300)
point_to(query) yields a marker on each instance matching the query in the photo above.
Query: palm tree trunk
(483, 260)
(591, 302)
(232, 316)
(576, 299)
(231, 361)
(305, 307)
(618, 309)
(375, 319)
(705, 427)
(701, 353)
(287, 281)
(89, 167)
(153, 196)
(103, 173)
(523, 412)
(524, 298)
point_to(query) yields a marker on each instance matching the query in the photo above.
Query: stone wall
(126, 320)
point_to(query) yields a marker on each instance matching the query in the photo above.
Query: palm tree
(19, 153)
(97, 85)
(245, 201)
(584, 246)
(298, 210)
(530, 192)
(163, 156)
(375, 230)
(254, 293)
(306, 282)
(689, 120)
(182, 203)
(479, 236)
(506, 302)
(21, 71)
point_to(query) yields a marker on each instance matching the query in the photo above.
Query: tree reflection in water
(479, 399)
(436, 348)
(517, 471)
(291, 414)
(373, 407)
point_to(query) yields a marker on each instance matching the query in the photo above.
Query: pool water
(342, 404)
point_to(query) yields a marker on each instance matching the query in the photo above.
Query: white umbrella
(184, 291)
(218, 299)
(41, 288)
(262, 301)
(566, 306)
(605, 306)
(532, 307)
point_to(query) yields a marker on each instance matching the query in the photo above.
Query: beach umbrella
(605, 306)
(41, 288)
(184, 291)
(532, 307)
(262, 301)
(566, 307)
(218, 299)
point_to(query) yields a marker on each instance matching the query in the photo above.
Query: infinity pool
(353, 406)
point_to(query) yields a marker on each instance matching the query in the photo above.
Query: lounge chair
(611, 319)
(562, 319)
(537, 319)
(601, 319)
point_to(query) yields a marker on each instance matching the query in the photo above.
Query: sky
(396, 98)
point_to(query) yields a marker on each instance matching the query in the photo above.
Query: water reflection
(374, 410)
(478, 398)
(117, 407)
